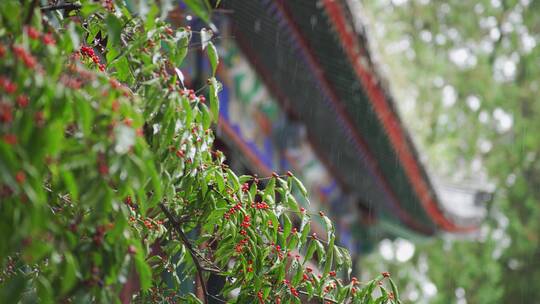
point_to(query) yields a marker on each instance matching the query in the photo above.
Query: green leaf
(329, 227)
(233, 179)
(70, 273)
(71, 184)
(206, 117)
(287, 225)
(394, 289)
(215, 87)
(151, 16)
(192, 299)
(114, 28)
(143, 270)
(320, 251)
(300, 186)
(305, 227)
(347, 261)
(310, 251)
(183, 37)
(212, 54)
(12, 289)
(206, 38)
(329, 259)
(269, 190)
(199, 9)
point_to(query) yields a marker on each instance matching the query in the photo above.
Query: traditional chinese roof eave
(376, 158)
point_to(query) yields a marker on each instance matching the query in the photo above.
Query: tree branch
(64, 6)
(191, 250)
(30, 12)
(317, 296)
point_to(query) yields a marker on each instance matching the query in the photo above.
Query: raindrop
(386, 250)
(429, 289)
(473, 102)
(460, 292)
(404, 250)
(449, 96)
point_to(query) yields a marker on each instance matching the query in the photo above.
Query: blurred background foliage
(465, 75)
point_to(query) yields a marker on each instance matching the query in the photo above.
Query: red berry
(48, 39)
(30, 61)
(386, 274)
(132, 249)
(9, 86)
(168, 31)
(103, 169)
(289, 173)
(32, 32)
(6, 113)
(114, 83)
(115, 105)
(22, 101)
(20, 177)
(39, 118)
(10, 139)
(128, 122)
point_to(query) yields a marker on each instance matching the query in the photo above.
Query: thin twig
(320, 297)
(189, 246)
(31, 12)
(64, 6)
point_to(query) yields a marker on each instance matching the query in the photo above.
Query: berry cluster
(277, 250)
(245, 224)
(27, 58)
(232, 210)
(191, 95)
(239, 248)
(34, 34)
(89, 52)
(260, 206)
(292, 289)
